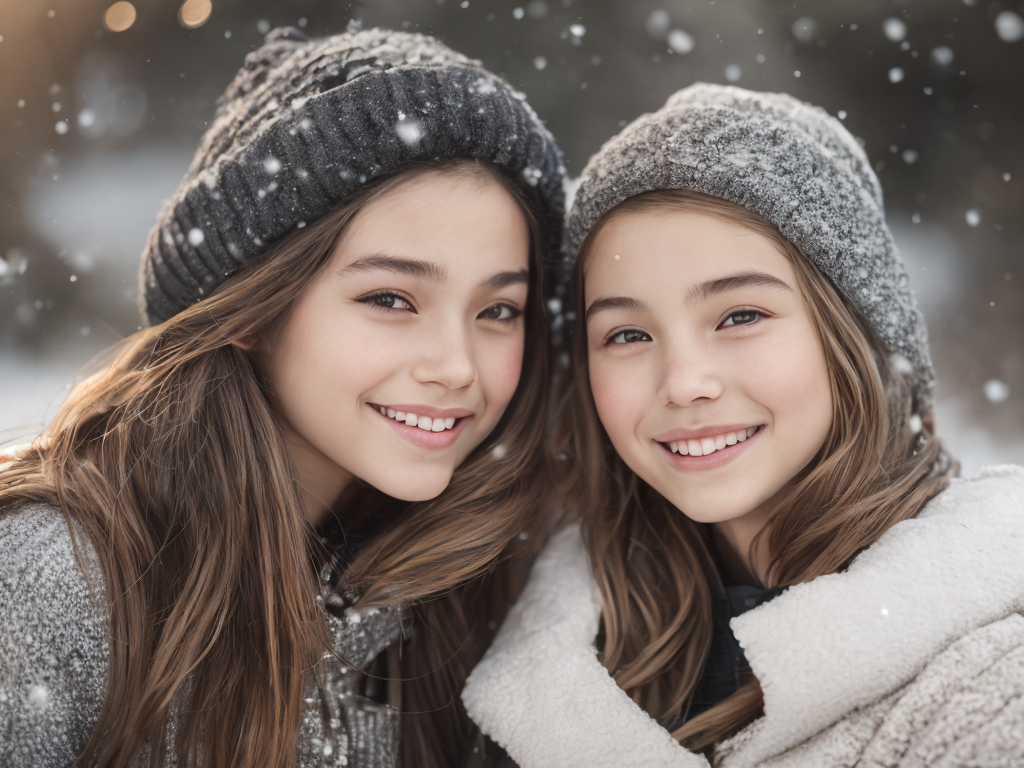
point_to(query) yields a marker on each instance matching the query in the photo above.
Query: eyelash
(757, 313)
(372, 300)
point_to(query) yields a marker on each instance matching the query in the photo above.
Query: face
(401, 356)
(706, 369)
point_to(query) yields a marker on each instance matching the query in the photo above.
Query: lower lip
(422, 437)
(717, 459)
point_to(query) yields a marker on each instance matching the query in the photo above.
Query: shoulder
(44, 564)
(998, 490)
(54, 642)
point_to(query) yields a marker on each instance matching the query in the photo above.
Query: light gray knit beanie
(306, 122)
(792, 164)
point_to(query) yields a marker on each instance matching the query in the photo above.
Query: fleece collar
(820, 650)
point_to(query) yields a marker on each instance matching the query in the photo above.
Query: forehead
(450, 218)
(672, 247)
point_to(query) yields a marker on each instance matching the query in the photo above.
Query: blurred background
(102, 104)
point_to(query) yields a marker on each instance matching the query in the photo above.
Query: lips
(705, 446)
(424, 425)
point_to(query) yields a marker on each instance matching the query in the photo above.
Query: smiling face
(402, 354)
(705, 366)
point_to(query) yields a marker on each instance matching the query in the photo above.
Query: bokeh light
(194, 13)
(120, 16)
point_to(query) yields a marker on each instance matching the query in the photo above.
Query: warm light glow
(194, 13)
(120, 16)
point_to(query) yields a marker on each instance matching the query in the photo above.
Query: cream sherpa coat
(914, 656)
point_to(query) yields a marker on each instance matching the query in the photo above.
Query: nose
(689, 376)
(445, 356)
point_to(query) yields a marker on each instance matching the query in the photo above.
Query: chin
(415, 489)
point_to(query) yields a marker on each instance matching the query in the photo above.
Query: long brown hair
(173, 463)
(879, 464)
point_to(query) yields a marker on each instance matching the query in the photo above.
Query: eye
(629, 336)
(388, 301)
(503, 313)
(742, 317)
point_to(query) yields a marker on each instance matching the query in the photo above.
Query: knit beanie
(792, 164)
(306, 122)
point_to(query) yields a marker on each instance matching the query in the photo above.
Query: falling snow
(680, 41)
(996, 391)
(943, 55)
(1009, 27)
(410, 131)
(805, 29)
(894, 29)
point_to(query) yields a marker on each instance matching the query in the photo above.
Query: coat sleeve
(965, 708)
(54, 639)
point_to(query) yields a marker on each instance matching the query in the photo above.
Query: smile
(424, 422)
(705, 446)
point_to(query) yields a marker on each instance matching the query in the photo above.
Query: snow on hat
(792, 164)
(305, 123)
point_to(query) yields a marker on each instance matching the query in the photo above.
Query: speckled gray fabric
(306, 122)
(54, 657)
(787, 161)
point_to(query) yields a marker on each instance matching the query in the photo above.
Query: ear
(247, 343)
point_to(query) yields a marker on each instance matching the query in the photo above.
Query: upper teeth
(707, 445)
(423, 422)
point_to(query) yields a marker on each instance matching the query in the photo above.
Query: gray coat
(54, 656)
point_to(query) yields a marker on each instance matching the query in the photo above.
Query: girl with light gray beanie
(773, 563)
(283, 523)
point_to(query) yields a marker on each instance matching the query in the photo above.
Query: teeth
(708, 445)
(425, 423)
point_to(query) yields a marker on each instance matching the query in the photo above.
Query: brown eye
(503, 313)
(743, 317)
(388, 301)
(629, 337)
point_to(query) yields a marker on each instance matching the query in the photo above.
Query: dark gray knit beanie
(792, 164)
(306, 122)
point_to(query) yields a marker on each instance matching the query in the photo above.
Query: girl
(287, 510)
(776, 568)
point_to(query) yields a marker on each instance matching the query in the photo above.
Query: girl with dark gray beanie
(281, 526)
(774, 565)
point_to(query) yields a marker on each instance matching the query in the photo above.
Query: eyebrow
(402, 266)
(505, 279)
(705, 291)
(429, 270)
(698, 293)
(616, 302)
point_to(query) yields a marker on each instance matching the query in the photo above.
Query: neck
(321, 482)
(734, 540)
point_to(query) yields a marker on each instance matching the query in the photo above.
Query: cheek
(500, 364)
(618, 390)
